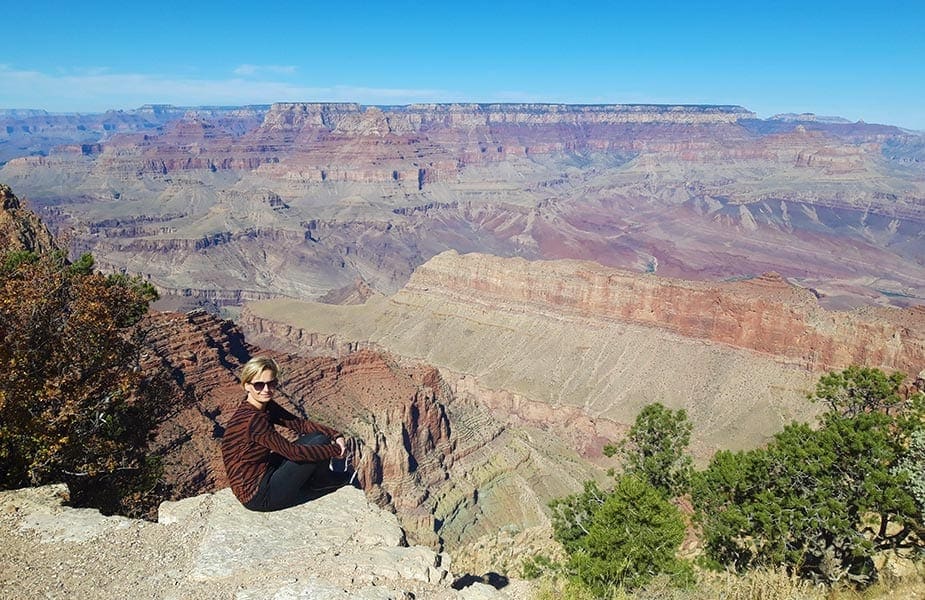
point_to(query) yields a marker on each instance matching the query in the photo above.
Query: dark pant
(287, 483)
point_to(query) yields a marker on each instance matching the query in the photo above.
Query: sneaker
(348, 463)
(339, 464)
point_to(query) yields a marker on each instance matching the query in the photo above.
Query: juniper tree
(820, 501)
(655, 449)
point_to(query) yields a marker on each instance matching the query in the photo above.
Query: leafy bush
(633, 536)
(620, 539)
(74, 405)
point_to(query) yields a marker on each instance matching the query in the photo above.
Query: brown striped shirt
(251, 439)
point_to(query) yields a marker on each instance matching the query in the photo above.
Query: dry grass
(758, 585)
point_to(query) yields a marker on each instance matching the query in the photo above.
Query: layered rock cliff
(442, 463)
(397, 416)
(766, 314)
(299, 199)
(574, 346)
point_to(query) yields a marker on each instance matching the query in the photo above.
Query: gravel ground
(125, 559)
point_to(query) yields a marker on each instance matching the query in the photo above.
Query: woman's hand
(340, 441)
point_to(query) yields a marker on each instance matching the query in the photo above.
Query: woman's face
(260, 389)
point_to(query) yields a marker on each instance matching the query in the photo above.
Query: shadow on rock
(493, 579)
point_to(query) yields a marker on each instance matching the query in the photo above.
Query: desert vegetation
(817, 508)
(74, 405)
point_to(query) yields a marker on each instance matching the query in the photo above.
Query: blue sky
(850, 59)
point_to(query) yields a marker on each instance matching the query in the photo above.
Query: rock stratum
(221, 206)
(767, 314)
(555, 342)
(338, 547)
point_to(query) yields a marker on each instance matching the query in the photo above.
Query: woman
(266, 471)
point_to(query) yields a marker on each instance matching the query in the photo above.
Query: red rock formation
(766, 314)
(418, 143)
(398, 412)
(20, 228)
(202, 355)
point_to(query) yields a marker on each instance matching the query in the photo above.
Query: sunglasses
(259, 385)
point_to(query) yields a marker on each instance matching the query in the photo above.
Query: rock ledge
(338, 547)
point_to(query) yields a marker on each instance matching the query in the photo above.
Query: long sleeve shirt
(251, 440)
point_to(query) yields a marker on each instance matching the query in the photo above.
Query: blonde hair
(256, 366)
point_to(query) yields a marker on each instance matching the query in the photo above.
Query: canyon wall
(442, 463)
(574, 346)
(220, 206)
(765, 314)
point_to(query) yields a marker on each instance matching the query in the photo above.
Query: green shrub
(620, 539)
(655, 449)
(819, 501)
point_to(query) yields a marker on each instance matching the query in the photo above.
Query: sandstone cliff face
(432, 453)
(425, 143)
(428, 457)
(202, 355)
(422, 144)
(349, 117)
(766, 314)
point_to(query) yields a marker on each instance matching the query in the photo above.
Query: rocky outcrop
(401, 417)
(20, 228)
(338, 547)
